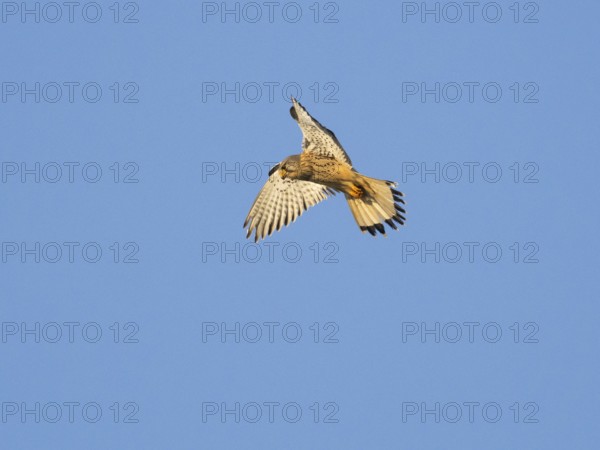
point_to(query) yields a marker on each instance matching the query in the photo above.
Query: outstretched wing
(317, 138)
(281, 202)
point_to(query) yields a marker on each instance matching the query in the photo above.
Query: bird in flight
(322, 169)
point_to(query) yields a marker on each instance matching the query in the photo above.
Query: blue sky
(135, 138)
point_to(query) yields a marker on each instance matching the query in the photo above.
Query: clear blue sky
(132, 151)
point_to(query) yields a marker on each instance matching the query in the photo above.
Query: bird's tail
(374, 202)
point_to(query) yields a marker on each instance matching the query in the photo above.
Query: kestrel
(322, 169)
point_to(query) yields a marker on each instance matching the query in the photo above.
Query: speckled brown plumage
(322, 169)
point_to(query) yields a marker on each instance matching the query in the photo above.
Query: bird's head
(290, 167)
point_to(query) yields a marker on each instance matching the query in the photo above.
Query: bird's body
(323, 168)
(331, 173)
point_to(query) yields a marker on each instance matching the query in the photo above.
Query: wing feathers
(280, 202)
(317, 138)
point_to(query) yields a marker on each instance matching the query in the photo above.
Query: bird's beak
(282, 173)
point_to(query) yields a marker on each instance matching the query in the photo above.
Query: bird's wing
(280, 202)
(317, 138)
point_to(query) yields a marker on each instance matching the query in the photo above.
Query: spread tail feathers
(378, 203)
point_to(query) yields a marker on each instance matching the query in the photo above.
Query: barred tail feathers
(377, 203)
